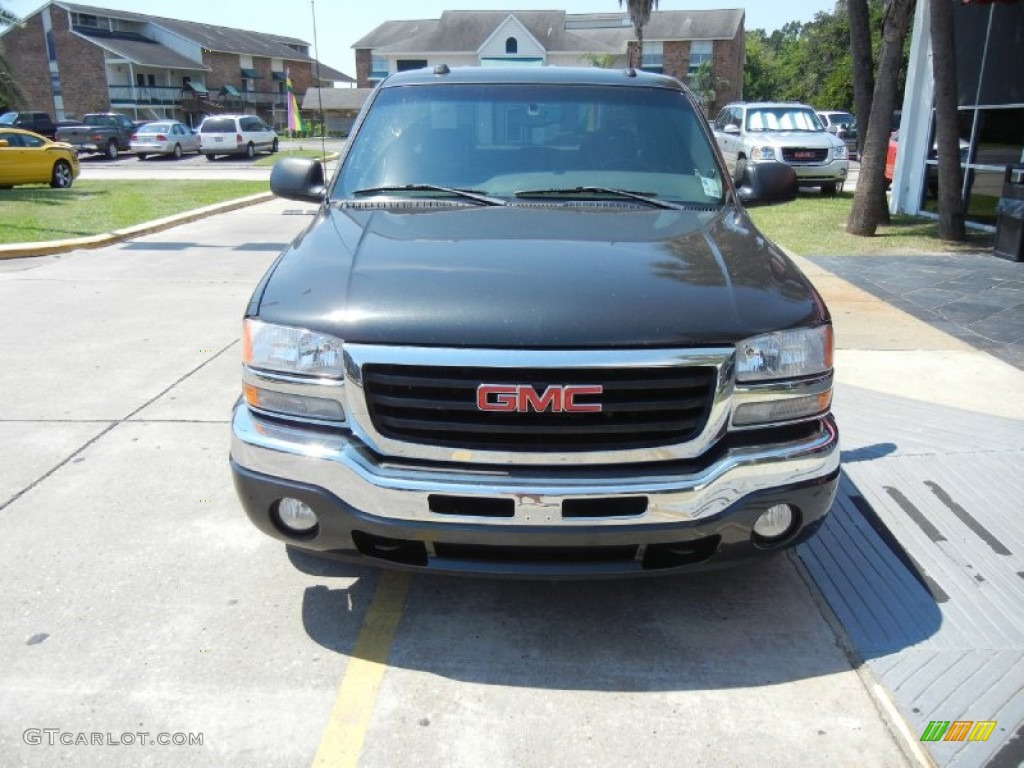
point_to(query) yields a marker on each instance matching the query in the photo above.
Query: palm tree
(947, 123)
(869, 199)
(10, 94)
(639, 14)
(863, 67)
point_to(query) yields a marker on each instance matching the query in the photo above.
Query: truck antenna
(319, 89)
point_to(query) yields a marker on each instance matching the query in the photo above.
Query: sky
(339, 23)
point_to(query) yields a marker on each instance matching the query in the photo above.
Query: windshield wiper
(643, 197)
(467, 194)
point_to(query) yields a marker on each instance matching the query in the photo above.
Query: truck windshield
(783, 119)
(499, 140)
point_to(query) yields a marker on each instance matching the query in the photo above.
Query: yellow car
(28, 158)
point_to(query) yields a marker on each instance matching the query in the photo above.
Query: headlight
(290, 350)
(785, 354)
(839, 153)
(762, 154)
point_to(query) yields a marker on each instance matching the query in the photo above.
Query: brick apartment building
(71, 59)
(676, 43)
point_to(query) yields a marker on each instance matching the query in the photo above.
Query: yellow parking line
(342, 739)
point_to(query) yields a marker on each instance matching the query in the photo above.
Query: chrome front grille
(641, 407)
(804, 155)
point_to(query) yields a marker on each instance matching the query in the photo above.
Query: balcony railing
(144, 94)
(252, 98)
(171, 96)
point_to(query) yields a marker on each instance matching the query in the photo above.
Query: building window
(991, 109)
(700, 51)
(378, 67)
(991, 137)
(404, 65)
(83, 20)
(654, 57)
(511, 45)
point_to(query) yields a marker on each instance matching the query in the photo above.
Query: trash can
(1010, 215)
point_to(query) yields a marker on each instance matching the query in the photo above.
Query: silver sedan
(164, 137)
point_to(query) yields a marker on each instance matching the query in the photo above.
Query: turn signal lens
(775, 411)
(302, 406)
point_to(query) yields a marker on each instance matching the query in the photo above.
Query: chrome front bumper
(677, 492)
(834, 170)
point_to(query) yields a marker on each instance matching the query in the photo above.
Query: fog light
(775, 522)
(296, 516)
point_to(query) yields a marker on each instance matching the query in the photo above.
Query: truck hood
(552, 276)
(814, 139)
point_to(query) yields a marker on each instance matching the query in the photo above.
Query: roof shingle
(557, 31)
(214, 38)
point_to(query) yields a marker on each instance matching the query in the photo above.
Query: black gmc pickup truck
(531, 331)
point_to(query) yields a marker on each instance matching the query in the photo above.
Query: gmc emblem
(522, 398)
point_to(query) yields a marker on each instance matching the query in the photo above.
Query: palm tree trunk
(947, 124)
(869, 199)
(863, 66)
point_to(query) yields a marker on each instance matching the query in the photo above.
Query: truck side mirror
(299, 178)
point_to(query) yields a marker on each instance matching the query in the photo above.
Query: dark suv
(532, 331)
(37, 122)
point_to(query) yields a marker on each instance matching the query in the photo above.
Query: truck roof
(532, 75)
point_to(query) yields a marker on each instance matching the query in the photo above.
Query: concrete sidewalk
(977, 298)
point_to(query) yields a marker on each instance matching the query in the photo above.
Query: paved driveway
(138, 599)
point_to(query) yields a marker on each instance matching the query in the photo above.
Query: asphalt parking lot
(139, 600)
(193, 166)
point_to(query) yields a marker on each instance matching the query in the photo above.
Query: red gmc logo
(522, 398)
(804, 155)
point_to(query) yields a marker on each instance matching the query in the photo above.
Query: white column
(908, 177)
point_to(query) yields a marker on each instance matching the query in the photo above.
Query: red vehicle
(890, 157)
(933, 171)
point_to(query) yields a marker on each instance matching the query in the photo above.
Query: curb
(48, 247)
(890, 715)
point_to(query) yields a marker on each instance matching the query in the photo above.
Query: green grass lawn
(815, 225)
(32, 214)
(266, 160)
